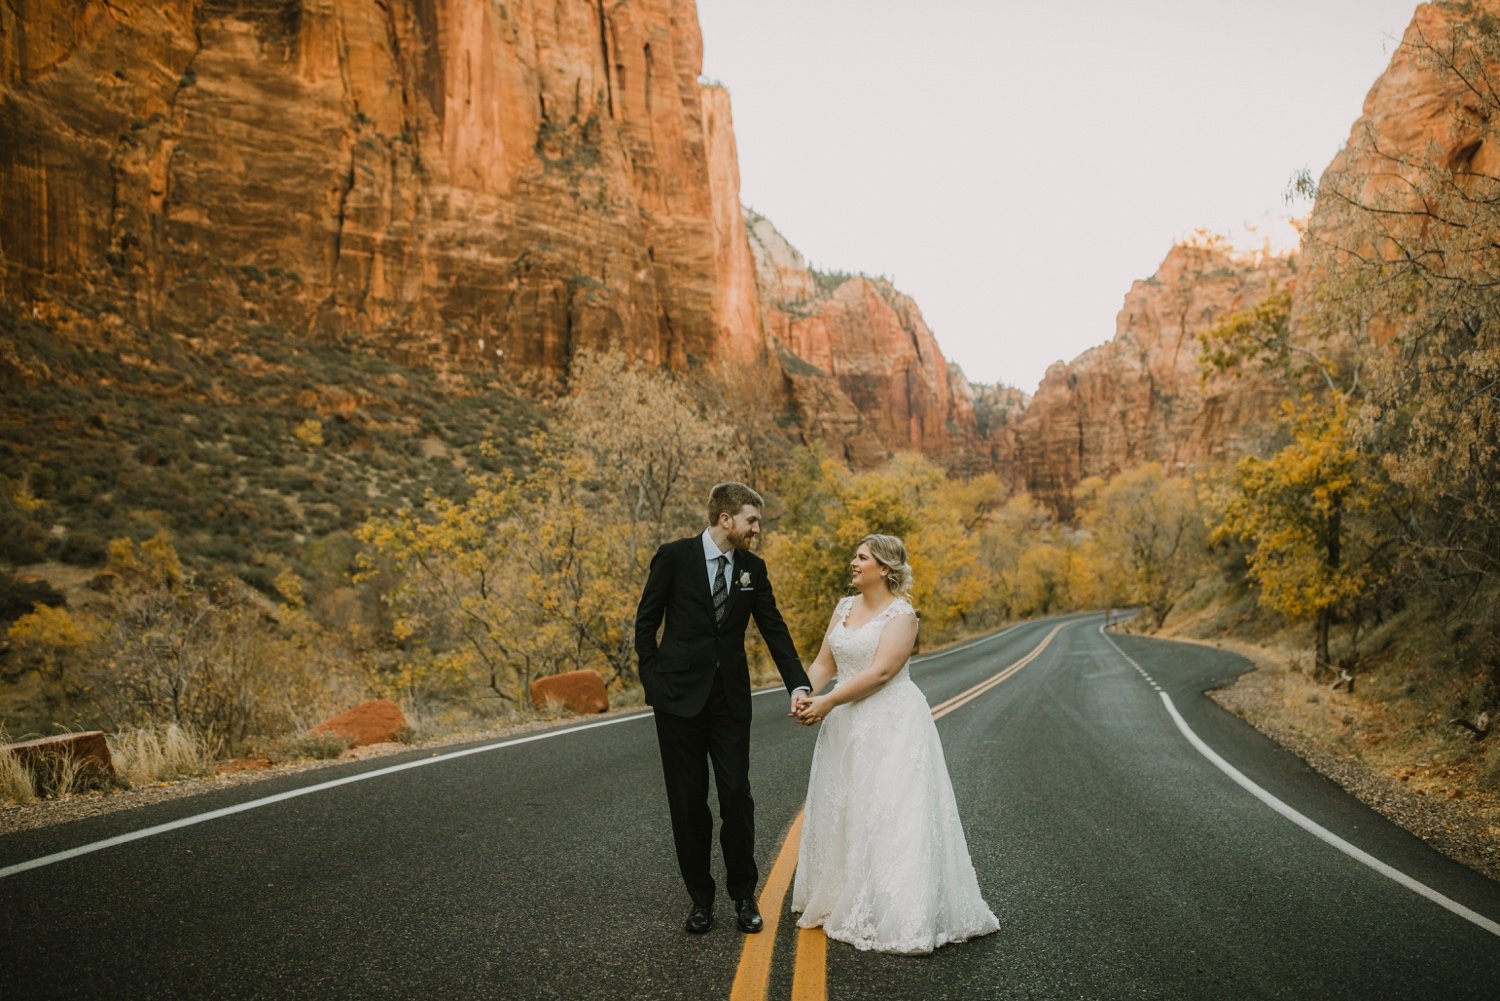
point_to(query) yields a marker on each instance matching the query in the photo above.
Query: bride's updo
(890, 553)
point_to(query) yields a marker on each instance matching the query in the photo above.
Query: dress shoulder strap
(898, 607)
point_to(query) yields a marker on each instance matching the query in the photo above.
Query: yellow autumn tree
(1293, 509)
(1149, 538)
(539, 573)
(829, 509)
(1054, 574)
(1005, 535)
(48, 640)
(652, 450)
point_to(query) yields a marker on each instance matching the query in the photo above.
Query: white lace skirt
(883, 862)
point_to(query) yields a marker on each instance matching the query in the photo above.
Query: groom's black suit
(698, 681)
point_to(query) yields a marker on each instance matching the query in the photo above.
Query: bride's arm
(896, 642)
(821, 671)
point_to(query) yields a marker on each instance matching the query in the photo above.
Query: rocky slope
(457, 182)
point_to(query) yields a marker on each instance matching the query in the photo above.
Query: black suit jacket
(678, 673)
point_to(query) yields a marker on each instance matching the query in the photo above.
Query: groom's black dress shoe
(748, 914)
(700, 919)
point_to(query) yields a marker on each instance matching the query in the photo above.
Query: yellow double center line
(810, 968)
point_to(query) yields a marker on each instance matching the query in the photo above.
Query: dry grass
(63, 776)
(51, 777)
(159, 754)
(15, 780)
(554, 706)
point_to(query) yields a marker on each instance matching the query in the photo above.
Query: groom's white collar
(711, 551)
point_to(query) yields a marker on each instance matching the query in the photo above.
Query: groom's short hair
(728, 498)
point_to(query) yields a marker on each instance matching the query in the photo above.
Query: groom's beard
(741, 540)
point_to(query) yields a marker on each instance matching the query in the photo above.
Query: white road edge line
(200, 818)
(1311, 827)
(147, 832)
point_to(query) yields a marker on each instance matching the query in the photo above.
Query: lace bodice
(854, 649)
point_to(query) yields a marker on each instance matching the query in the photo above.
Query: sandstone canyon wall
(452, 177)
(453, 181)
(859, 359)
(1140, 397)
(1420, 113)
(1137, 397)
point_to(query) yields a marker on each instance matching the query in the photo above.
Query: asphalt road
(1122, 864)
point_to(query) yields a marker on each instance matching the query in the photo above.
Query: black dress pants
(689, 744)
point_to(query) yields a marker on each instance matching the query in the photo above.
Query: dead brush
(16, 785)
(62, 776)
(318, 745)
(144, 755)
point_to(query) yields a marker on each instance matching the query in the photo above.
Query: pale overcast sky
(1015, 166)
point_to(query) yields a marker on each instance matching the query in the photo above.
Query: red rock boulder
(88, 751)
(372, 722)
(581, 691)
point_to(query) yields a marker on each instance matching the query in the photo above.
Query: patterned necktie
(721, 589)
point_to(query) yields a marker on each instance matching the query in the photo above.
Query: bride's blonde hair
(890, 552)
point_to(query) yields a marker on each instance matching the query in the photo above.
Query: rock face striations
(1140, 397)
(444, 177)
(858, 358)
(452, 181)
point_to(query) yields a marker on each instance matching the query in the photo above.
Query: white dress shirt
(712, 553)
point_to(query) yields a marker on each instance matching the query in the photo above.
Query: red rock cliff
(1135, 398)
(863, 369)
(1139, 397)
(446, 177)
(451, 180)
(1418, 113)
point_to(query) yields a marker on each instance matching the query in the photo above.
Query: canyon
(454, 182)
(463, 183)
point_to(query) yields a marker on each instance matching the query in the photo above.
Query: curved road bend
(1121, 861)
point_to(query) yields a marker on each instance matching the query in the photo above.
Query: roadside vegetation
(522, 558)
(1360, 549)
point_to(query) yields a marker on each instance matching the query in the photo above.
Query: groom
(708, 587)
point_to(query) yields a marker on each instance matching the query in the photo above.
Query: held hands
(814, 709)
(800, 698)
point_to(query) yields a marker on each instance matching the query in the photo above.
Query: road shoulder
(15, 817)
(1320, 727)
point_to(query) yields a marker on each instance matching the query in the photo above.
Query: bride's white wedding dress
(883, 862)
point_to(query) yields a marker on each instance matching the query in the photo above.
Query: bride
(883, 863)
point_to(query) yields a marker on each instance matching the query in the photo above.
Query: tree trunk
(1322, 663)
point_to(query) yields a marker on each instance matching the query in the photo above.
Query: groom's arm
(653, 605)
(778, 638)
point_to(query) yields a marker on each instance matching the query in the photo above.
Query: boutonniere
(745, 579)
